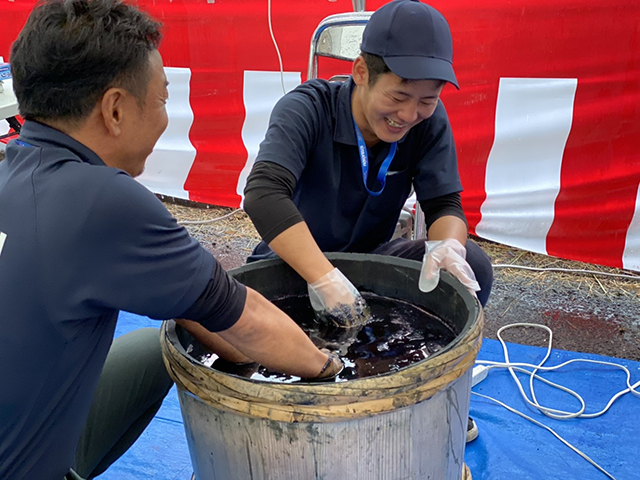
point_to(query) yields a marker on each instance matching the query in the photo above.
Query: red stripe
(219, 42)
(13, 17)
(599, 45)
(601, 166)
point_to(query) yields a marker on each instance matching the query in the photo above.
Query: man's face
(146, 123)
(389, 108)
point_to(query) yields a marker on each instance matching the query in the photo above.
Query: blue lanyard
(364, 160)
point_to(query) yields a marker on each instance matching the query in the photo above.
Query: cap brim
(422, 68)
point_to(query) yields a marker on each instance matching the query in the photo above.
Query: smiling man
(339, 161)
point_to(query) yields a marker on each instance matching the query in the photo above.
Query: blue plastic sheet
(508, 447)
(161, 452)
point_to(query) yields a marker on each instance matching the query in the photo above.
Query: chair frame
(351, 18)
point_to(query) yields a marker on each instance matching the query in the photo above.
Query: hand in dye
(334, 298)
(242, 369)
(331, 368)
(449, 255)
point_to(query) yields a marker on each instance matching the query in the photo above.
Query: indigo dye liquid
(397, 335)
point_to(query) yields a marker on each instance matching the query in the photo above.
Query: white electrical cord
(568, 270)
(275, 44)
(203, 222)
(284, 91)
(480, 372)
(583, 455)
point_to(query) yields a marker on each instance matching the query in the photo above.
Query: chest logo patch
(3, 237)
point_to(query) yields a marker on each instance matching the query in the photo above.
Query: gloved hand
(333, 297)
(449, 255)
(331, 368)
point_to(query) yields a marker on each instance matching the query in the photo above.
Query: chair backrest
(337, 36)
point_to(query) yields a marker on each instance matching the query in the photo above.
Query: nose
(408, 113)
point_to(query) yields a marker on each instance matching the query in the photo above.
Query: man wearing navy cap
(339, 161)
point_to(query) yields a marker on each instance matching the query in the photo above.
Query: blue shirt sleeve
(292, 130)
(125, 252)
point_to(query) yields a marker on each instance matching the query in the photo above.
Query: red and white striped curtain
(547, 119)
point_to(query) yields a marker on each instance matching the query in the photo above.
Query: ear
(360, 72)
(112, 110)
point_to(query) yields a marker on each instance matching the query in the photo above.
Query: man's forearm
(267, 335)
(213, 342)
(448, 227)
(268, 203)
(297, 247)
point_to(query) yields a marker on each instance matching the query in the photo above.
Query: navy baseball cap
(414, 40)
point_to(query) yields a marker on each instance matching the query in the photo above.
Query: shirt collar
(344, 131)
(41, 135)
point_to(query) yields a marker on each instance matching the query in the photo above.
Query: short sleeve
(124, 251)
(292, 131)
(437, 165)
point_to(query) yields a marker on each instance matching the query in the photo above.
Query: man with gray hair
(81, 240)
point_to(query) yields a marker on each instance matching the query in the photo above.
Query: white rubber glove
(334, 297)
(449, 255)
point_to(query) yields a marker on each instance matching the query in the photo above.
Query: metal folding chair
(337, 36)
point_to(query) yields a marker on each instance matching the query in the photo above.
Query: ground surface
(587, 312)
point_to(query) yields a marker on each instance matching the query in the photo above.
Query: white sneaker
(472, 430)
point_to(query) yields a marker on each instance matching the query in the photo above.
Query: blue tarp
(508, 447)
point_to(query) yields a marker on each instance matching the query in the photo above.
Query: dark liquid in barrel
(398, 334)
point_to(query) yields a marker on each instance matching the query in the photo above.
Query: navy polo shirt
(81, 241)
(311, 133)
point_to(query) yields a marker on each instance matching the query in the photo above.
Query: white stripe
(631, 254)
(168, 166)
(261, 91)
(8, 100)
(3, 237)
(533, 121)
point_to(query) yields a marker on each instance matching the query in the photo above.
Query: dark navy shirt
(81, 242)
(311, 133)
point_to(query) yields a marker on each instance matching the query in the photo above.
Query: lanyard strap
(364, 161)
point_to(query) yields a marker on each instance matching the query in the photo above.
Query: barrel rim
(471, 302)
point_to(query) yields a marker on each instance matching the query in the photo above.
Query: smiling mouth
(393, 124)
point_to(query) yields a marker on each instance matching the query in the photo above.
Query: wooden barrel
(408, 424)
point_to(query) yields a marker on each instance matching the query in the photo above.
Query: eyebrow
(421, 98)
